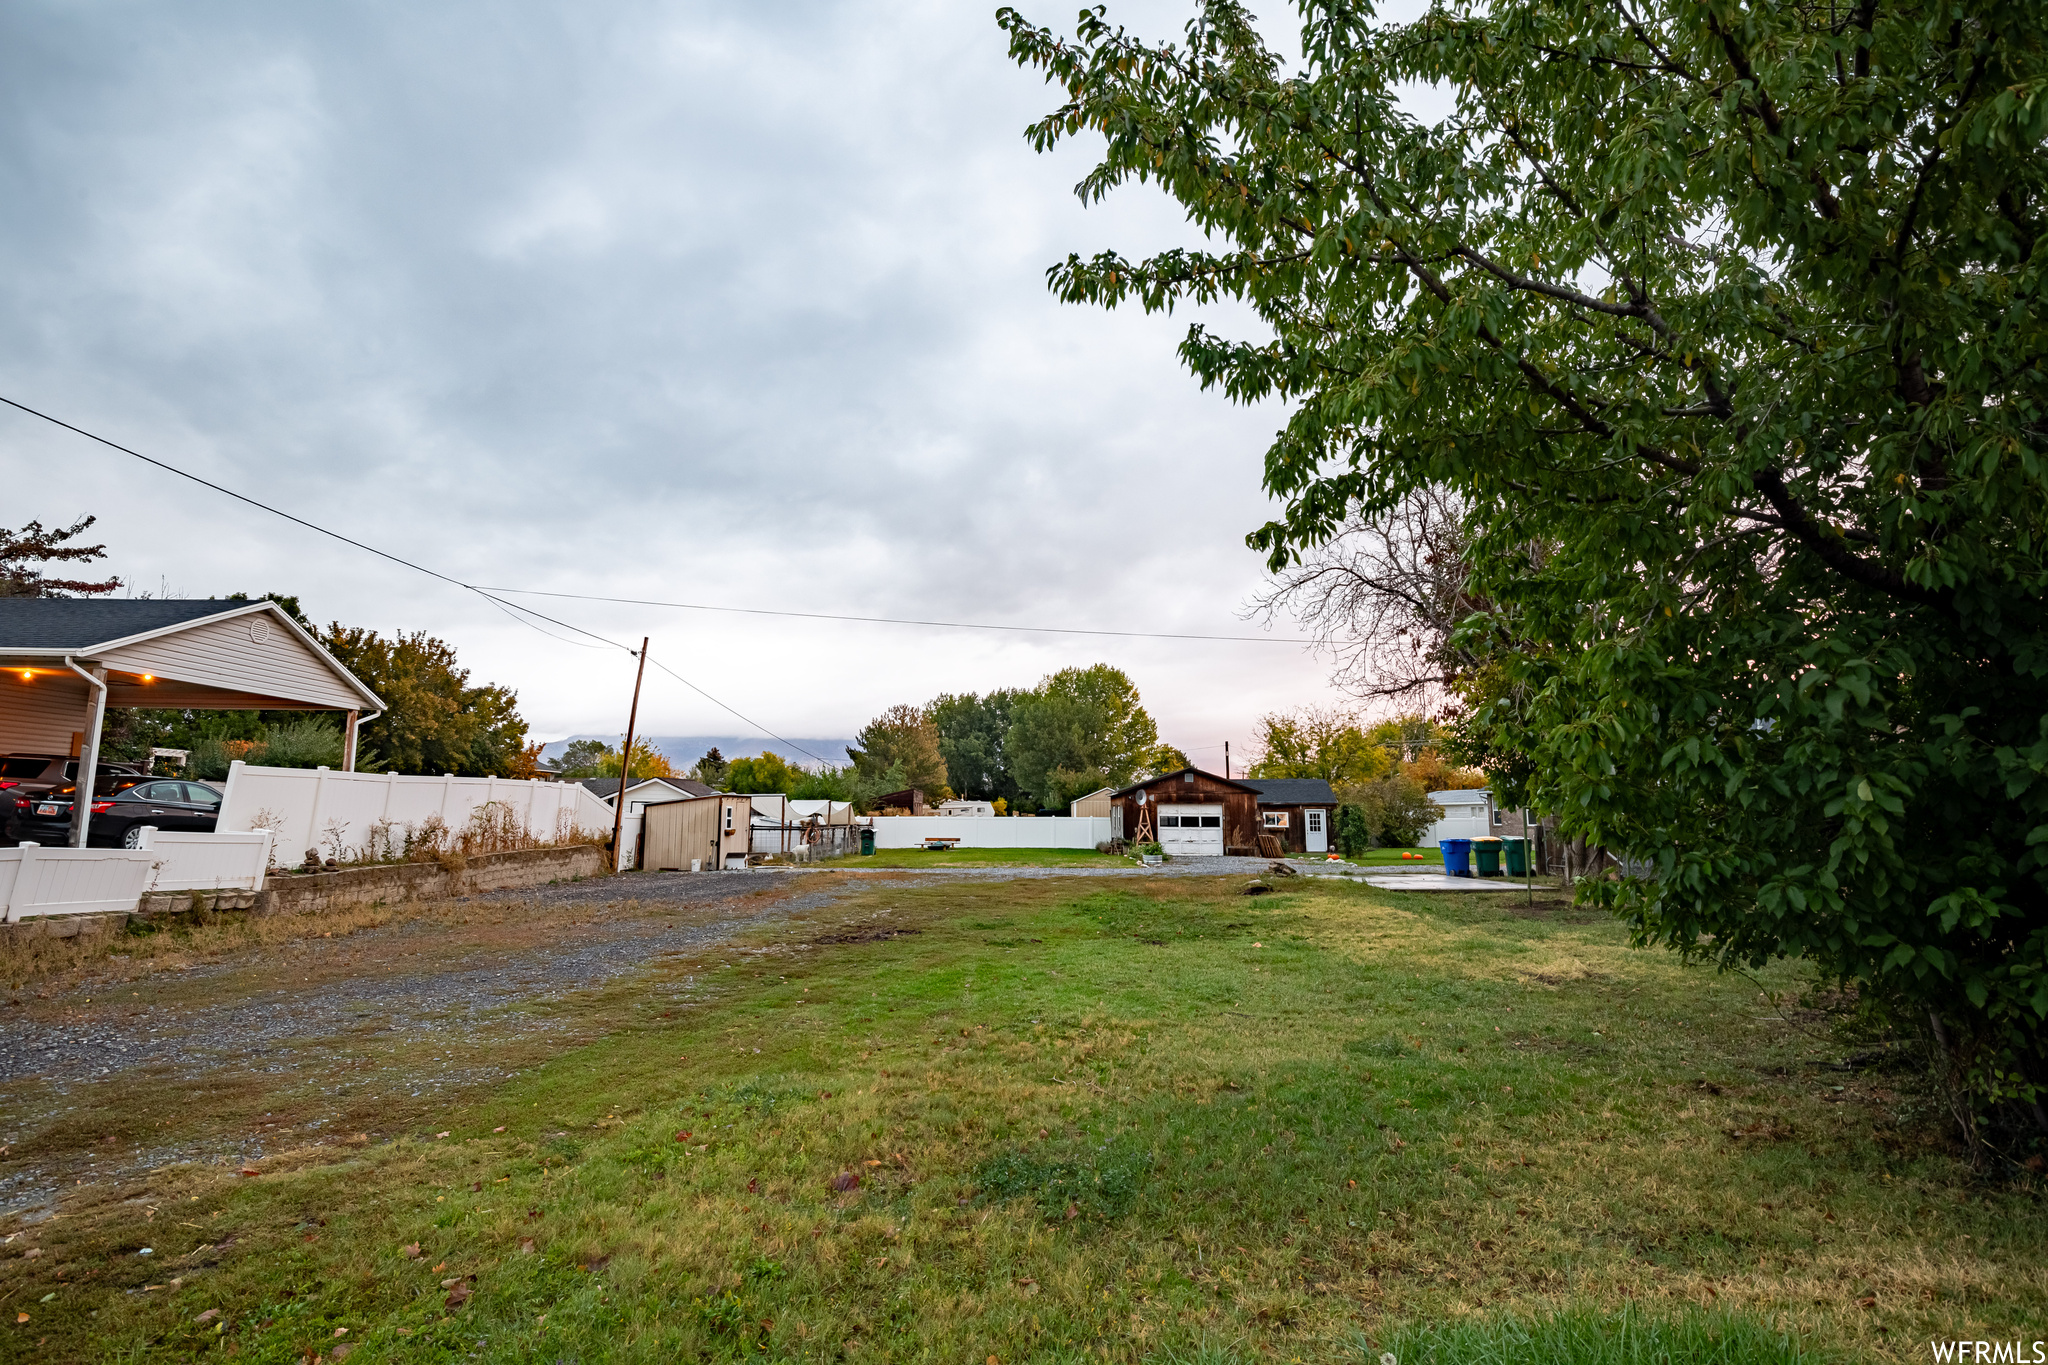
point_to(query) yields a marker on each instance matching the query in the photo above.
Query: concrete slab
(1439, 881)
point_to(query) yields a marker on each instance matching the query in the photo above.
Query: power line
(487, 594)
(909, 621)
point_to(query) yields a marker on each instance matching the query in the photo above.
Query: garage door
(1191, 831)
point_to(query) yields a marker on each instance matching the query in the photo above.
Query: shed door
(1191, 831)
(1318, 836)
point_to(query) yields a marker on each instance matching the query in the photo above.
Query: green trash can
(867, 843)
(1486, 857)
(1517, 850)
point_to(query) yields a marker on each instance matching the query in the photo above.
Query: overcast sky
(727, 303)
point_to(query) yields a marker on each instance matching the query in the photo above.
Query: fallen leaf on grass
(753, 1185)
(459, 1295)
(499, 1129)
(411, 1252)
(438, 1136)
(1073, 1211)
(208, 1316)
(526, 1247)
(250, 1170)
(21, 1317)
(1870, 1302)
(682, 1137)
(341, 1331)
(342, 1352)
(845, 1180)
(476, 1187)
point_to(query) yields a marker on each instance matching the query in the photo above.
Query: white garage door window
(1191, 831)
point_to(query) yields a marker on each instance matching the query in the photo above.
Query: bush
(1390, 813)
(310, 742)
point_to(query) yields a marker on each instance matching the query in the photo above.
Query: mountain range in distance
(683, 751)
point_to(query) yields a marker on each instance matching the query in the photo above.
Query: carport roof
(79, 624)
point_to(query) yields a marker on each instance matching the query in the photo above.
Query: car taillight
(5, 785)
(102, 807)
(21, 803)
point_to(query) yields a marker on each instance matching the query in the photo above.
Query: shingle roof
(604, 788)
(78, 623)
(1167, 777)
(1292, 791)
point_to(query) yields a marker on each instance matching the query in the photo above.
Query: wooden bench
(940, 843)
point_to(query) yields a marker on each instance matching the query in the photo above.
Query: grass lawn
(982, 857)
(1054, 1121)
(1417, 857)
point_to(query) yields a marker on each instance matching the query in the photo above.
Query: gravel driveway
(338, 1032)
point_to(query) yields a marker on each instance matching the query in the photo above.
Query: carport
(66, 660)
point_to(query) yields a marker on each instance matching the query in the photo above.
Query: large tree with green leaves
(1726, 323)
(1079, 729)
(435, 720)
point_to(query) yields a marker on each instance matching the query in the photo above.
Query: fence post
(319, 793)
(18, 896)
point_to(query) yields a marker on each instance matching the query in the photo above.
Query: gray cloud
(738, 304)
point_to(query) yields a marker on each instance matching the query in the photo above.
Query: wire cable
(485, 591)
(911, 621)
(509, 608)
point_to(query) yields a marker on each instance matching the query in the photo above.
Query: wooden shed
(709, 832)
(1190, 813)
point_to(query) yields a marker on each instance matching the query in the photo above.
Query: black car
(34, 774)
(125, 804)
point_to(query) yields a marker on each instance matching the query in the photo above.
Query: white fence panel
(319, 808)
(188, 861)
(997, 831)
(72, 881)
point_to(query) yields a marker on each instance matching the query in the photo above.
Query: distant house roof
(1292, 791)
(1462, 796)
(605, 788)
(1164, 777)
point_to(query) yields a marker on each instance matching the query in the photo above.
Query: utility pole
(1226, 760)
(626, 767)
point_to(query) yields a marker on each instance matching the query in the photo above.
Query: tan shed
(1096, 803)
(700, 834)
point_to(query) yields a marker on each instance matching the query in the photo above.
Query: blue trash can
(1457, 856)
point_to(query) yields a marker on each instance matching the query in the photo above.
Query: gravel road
(399, 1013)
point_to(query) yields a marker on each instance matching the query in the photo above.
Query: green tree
(435, 720)
(768, 773)
(903, 737)
(711, 769)
(582, 758)
(648, 761)
(972, 732)
(1318, 742)
(1725, 322)
(1079, 729)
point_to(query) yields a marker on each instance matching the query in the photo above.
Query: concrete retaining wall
(393, 883)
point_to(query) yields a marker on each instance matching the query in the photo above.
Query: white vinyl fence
(342, 813)
(38, 881)
(189, 861)
(993, 831)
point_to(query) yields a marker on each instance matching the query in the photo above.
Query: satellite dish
(1141, 798)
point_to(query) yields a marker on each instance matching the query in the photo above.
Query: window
(1315, 822)
(1187, 777)
(199, 795)
(728, 819)
(1169, 822)
(1276, 819)
(1210, 821)
(23, 769)
(1500, 817)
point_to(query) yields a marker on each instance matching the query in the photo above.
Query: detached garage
(1192, 814)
